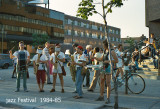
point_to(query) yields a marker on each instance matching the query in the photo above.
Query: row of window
(28, 30)
(22, 29)
(94, 27)
(91, 35)
(28, 20)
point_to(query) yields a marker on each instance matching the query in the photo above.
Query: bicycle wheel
(136, 83)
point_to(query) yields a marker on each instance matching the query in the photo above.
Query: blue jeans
(79, 81)
(136, 63)
(155, 62)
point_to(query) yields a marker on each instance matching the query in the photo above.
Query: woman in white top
(57, 59)
(40, 74)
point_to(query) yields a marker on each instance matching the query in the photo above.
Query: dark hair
(119, 46)
(40, 46)
(75, 45)
(96, 49)
(136, 48)
(21, 42)
(105, 43)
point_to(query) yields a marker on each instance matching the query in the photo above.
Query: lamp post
(3, 32)
(72, 35)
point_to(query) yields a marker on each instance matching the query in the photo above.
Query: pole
(72, 35)
(126, 81)
(2, 38)
(48, 4)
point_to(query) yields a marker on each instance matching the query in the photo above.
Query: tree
(88, 8)
(39, 39)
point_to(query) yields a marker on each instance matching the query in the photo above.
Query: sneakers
(90, 90)
(52, 90)
(26, 90)
(17, 90)
(107, 101)
(100, 98)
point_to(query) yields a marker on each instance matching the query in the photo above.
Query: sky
(130, 18)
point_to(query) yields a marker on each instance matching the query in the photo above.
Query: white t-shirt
(16, 53)
(75, 56)
(60, 56)
(83, 58)
(42, 58)
(98, 55)
(46, 52)
(119, 55)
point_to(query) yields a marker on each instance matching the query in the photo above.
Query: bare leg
(102, 85)
(108, 81)
(61, 80)
(54, 79)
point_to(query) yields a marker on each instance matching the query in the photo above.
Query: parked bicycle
(136, 83)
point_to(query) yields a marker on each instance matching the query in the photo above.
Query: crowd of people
(49, 61)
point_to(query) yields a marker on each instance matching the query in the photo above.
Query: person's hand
(107, 61)
(10, 51)
(73, 63)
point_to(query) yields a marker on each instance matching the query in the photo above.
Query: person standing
(23, 58)
(57, 59)
(88, 54)
(79, 62)
(135, 57)
(96, 72)
(120, 63)
(106, 75)
(46, 52)
(38, 62)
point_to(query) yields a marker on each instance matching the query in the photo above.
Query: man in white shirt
(79, 62)
(23, 58)
(38, 62)
(57, 60)
(46, 52)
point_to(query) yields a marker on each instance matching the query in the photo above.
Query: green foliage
(87, 7)
(39, 39)
(130, 41)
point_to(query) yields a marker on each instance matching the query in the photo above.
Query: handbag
(84, 70)
(63, 70)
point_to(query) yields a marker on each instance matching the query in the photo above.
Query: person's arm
(115, 59)
(80, 64)
(63, 58)
(99, 59)
(34, 64)
(11, 56)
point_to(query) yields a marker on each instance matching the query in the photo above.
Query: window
(117, 32)
(94, 27)
(113, 31)
(82, 34)
(82, 24)
(66, 21)
(69, 32)
(87, 25)
(69, 21)
(75, 23)
(75, 32)
(113, 38)
(117, 39)
(87, 34)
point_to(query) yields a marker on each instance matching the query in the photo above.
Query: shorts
(107, 70)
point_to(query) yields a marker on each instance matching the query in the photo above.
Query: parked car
(5, 61)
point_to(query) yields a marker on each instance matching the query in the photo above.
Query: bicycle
(136, 83)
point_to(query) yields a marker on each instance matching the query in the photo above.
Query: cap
(80, 47)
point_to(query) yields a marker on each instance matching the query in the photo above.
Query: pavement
(149, 99)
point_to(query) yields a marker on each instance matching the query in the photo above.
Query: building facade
(86, 32)
(152, 14)
(20, 20)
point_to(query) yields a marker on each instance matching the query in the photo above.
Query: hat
(67, 52)
(115, 46)
(80, 47)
